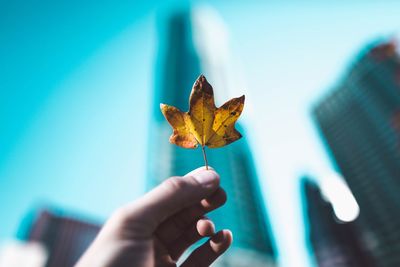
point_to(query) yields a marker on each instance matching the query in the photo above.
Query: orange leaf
(204, 123)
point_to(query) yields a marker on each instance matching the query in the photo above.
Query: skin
(158, 228)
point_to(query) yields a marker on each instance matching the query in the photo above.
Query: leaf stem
(204, 156)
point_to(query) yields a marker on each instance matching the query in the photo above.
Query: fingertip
(205, 227)
(208, 167)
(207, 253)
(221, 241)
(203, 168)
(207, 178)
(228, 236)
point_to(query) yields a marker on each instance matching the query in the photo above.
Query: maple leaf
(204, 124)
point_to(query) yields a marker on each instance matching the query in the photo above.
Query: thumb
(173, 195)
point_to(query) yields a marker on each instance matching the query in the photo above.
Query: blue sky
(74, 75)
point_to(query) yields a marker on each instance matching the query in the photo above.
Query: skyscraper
(359, 121)
(179, 64)
(334, 244)
(64, 237)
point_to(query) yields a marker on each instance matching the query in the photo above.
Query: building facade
(359, 122)
(333, 243)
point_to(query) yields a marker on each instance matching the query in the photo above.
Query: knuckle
(127, 226)
(174, 184)
(120, 215)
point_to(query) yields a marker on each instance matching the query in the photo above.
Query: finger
(172, 196)
(199, 169)
(174, 226)
(202, 228)
(209, 251)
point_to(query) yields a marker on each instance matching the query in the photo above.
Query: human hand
(158, 228)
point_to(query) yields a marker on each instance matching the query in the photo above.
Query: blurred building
(359, 122)
(179, 65)
(64, 238)
(333, 243)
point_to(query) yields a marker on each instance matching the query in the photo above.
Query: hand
(156, 229)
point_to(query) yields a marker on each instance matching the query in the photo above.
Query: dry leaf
(204, 123)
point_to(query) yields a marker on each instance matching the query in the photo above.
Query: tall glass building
(334, 244)
(359, 121)
(178, 66)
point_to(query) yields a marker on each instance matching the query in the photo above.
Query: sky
(76, 85)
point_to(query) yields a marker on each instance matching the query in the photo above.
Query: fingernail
(199, 170)
(206, 177)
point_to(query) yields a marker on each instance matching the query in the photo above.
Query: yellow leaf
(204, 123)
